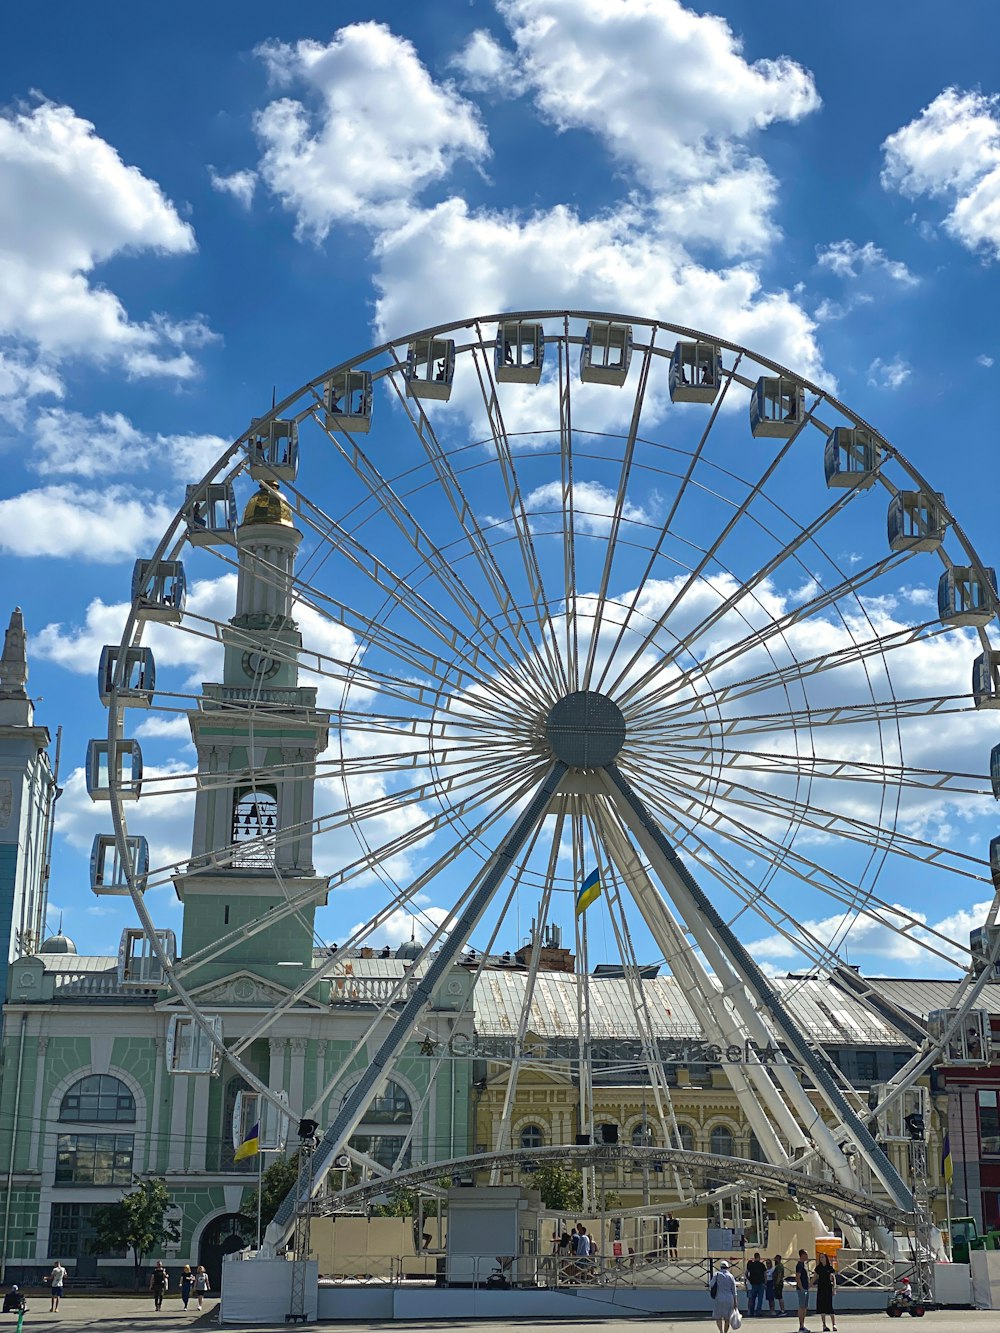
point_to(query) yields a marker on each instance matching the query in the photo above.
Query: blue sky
(195, 209)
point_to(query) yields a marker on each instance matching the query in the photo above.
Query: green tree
(138, 1222)
(561, 1187)
(280, 1177)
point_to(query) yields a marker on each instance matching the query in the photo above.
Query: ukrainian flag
(250, 1146)
(590, 891)
(947, 1163)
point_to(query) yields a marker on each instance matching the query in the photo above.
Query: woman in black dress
(826, 1285)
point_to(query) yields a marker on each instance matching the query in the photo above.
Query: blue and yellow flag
(590, 891)
(947, 1164)
(250, 1146)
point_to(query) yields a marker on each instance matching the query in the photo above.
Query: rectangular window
(94, 1159)
(989, 1123)
(71, 1231)
(866, 1066)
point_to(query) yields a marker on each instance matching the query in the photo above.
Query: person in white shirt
(55, 1280)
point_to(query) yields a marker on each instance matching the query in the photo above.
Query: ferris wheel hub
(585, 729)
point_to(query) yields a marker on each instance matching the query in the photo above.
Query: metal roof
(920, 997)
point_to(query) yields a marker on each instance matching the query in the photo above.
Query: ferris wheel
(575, 598)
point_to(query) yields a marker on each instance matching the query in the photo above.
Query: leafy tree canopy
(138, 1222)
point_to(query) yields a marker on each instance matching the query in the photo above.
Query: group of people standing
(766, 1281)
(192, 1283)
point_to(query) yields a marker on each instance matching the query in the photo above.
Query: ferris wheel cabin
(189, 1049)
(347, 402)
(850, 458)
(986, 679)
(982, 940)
(125, 761)
(430, 368)
(892, 1122)
(916, 521)
(139, 968)
(273, 451)
(519, 352)
(966, 597)
(777, 407)
(108, 878)
(160, 588)
(138, 680)
(695, 372)
(211, 514)
(606, 353)
(970, 1044)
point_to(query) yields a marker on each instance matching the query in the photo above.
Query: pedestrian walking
(158, 1283)
(826, 1285)
(724, 1297)
(201, 1284)
(802, 1287)
(55, 1280)
(187, 1284)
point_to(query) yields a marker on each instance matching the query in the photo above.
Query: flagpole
(260, 1190)
(947, 1204)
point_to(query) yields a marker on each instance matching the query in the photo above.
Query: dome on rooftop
(268, 505)
(58, 944)
(408, 950)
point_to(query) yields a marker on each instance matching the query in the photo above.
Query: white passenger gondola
(139, 968)
(982, 939)
(273, 451)
(971, 1043)
(986, 679)
(125, 762)
(916, 521)
(519, 352)
(966, 596)
(430, 368)
(606, 353)
(254, 1111)
(850, 458)
(892, 1126)
(210, 511)
(695, 372)
(777, 407)
(347, 402)
(189, 1049)
(995, 771)
(138, 681)
(108, 877)
(160, 589)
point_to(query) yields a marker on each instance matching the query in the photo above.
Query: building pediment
(244, 990)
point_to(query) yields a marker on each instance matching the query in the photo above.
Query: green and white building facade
(87, 1102)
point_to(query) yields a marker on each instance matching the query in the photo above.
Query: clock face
(259, 666)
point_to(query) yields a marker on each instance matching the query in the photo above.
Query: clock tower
(257, 736)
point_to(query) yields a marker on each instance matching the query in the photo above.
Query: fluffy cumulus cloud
(68, 203)
(101, 525)
(951, 151)
(70, 443)
(847, 259)
(485, 66)
(888, 374)
(22, 379)
(240, 184)
(372, 130)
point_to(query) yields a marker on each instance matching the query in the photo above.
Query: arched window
(390, 1107)
(98, 1098)
(722, 1141)
(642, 1136)
(532, 1136)
(255, 819)
(756, 1151)
(687, 1137)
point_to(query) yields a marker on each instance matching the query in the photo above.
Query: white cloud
(240, 184)
(888, 374)
(101, 525)
(601, 68)
(21, 380)
(67, 204)
(70, 443)
(593, 506)
(951, 151)
(451, 258)
(486, 66)
(985, 361)
(846, 259)
(373, 131)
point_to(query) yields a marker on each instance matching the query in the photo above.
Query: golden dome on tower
(268, 505)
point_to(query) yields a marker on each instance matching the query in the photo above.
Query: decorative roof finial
(14, 663)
